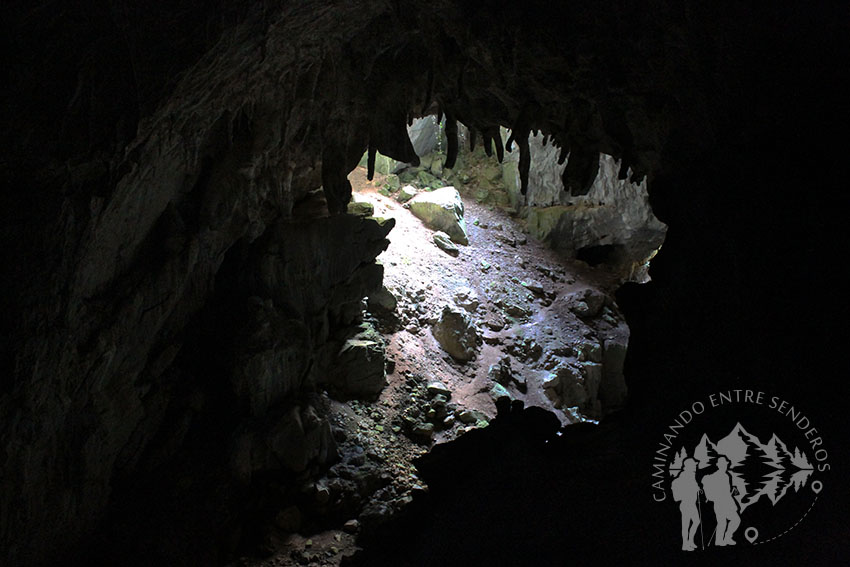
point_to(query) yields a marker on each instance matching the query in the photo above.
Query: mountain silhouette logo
(755, 469)
(756, 477)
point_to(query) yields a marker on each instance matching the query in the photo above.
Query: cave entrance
(491, 299)
(490, 294)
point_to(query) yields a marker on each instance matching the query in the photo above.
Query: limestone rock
(424, 135)
(360, 367)
(351, 526)
(613, 212)
(471, 416)
(501, 372)
(427, 179)
(589, 351)
(512, 307)
(466, 298)
(382, 300)
(585, 304)
(444, 243)
(392, 183)
(361, 209)
(406, 193)
(498, 392)
(438, 389)
(592, 379)
(442, 210)
(424, 430)
(456, 333)
(534, 286)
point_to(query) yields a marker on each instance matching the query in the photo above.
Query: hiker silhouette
(718, 490)
(686, 491)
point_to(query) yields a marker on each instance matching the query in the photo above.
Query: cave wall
(142, 147)
(614, 215)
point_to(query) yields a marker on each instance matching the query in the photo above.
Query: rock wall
(615, 213)
(127, 249)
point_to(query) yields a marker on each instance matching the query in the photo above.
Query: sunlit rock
(441, 210)
(456, 333)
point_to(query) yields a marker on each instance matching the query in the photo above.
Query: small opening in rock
(597, 254)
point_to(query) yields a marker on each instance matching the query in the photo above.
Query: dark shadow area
(595, 255)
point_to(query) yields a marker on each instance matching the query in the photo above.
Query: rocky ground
(461, 326)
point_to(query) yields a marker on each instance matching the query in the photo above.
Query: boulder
(456, 333)
(407, 193)
(441, 210)
(392, 183)
(361, 209)
(468, 416)
(444, 243)
(424, 430)
(498, 392)
(424, 134)
(426, 179)
(383, 301)
(438, 389)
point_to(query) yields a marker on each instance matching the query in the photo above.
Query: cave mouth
(477, 317)
(495, 280)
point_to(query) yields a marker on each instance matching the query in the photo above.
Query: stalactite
(451, 138)
(500, 149)
(370, 163)
(488, 143)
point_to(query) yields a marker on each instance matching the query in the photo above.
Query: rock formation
(174, 282)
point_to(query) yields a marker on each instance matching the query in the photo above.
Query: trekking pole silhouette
(699, 512)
